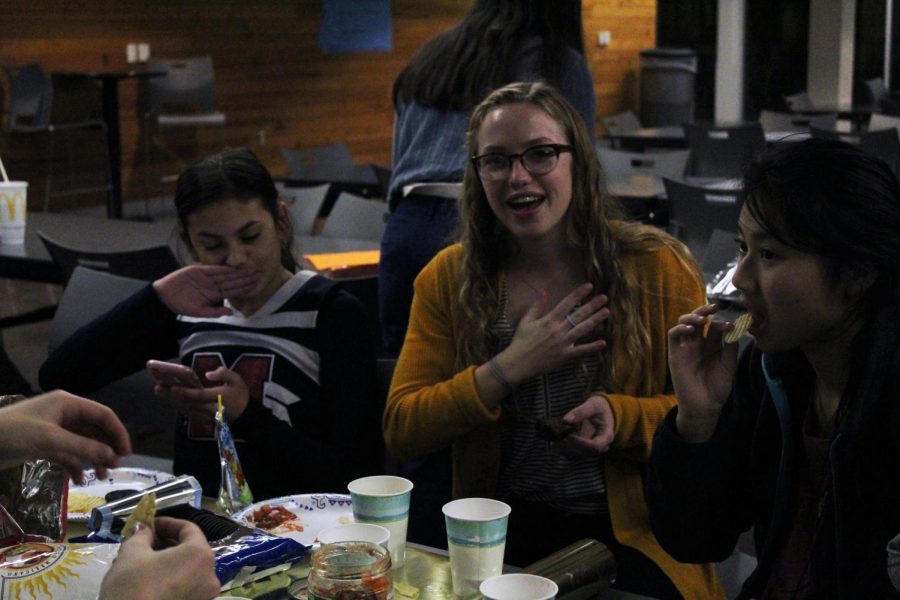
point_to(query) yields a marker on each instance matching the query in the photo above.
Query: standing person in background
(496, 42)
(290, 352)
(552, 308)
(799, 437)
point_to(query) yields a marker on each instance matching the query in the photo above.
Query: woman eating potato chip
(799, 436)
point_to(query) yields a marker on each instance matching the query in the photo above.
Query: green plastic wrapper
(234, 493)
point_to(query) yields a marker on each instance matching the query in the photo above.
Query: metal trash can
(667, 86)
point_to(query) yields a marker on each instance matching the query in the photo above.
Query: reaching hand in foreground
(172, 560)
(64, 428)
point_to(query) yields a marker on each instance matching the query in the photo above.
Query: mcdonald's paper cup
(476, 538)
(13, 202)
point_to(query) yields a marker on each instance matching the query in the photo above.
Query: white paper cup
(476, 538)
(384, 500)
(13, 203)
(518, 586)
(356, 532)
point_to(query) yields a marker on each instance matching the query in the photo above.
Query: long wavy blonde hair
(594, 224)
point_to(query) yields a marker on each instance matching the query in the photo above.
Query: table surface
(31, 261)
(676, 133)
(111, 74)
(357, 174)
(424, 576)
(652, 186)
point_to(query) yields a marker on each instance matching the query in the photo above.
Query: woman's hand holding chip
(596, 425)
(702, 369)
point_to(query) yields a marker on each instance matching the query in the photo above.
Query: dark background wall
(277, 88)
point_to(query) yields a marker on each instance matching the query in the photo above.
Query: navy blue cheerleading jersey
(276, 353)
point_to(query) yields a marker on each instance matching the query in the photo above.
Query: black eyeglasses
(537, 160)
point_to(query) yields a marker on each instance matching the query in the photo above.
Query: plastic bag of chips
(34, 495)
(243, 554)
(49, 570)
(234, 493)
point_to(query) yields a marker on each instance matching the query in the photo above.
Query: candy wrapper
(234, 493)
(34, 495)
(49, 570)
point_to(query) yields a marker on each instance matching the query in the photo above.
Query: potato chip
(706, 327)
(741, 325)
(142, 513)
(83, 503)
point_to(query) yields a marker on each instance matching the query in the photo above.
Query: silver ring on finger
(570, 320)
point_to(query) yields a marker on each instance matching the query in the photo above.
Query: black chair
(876, 91)
(694, 212)
(183, 98)
(383, 176)
(723, 151)
(890, 106)
(721, 249)
(384, 372)
(883, 143)
(365, 289)
(146, 264)
(30, 108)
(88, 294)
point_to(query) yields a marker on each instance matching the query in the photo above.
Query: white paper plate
(312, 514)
(116, 479)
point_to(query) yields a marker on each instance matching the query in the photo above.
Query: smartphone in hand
(167, 373)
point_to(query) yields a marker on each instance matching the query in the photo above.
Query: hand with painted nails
(703, 369)
(63, 428)
(546, 339)
(199, 290)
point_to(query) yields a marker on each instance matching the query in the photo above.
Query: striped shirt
(530, 468)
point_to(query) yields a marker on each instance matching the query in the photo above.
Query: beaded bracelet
(494, 368)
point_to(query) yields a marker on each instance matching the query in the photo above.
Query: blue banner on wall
(355, 25)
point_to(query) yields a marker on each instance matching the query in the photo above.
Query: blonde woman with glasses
(537, 345)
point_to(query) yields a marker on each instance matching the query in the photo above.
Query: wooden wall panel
(276, 86)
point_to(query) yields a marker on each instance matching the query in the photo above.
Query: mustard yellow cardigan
(430, 405)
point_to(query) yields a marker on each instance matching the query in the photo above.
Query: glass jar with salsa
(350, 571)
